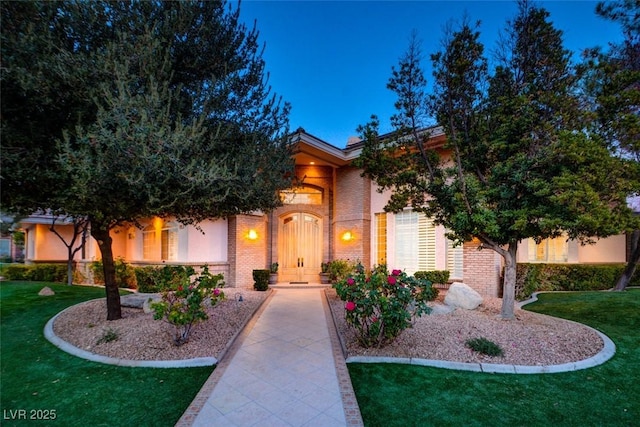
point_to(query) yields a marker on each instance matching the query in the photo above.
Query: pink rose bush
(183, 306)
(379, 305)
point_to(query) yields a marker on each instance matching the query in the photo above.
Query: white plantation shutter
(415, 242)
(455, 260)
(426, 244)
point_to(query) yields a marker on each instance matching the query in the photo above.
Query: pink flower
(351, 281)
(374, 319)
(216, 292)
(350, 306)
(391, 280)
(396, 272)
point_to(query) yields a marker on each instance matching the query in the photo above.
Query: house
(331, 213)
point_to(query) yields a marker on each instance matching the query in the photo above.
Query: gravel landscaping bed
(532, 339)
(140, 337)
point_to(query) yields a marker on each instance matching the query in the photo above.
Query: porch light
(252, 235)
(347, 236)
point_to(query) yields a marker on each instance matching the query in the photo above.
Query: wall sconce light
(347, 236)
(252, 235)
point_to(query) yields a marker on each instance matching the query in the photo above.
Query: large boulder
(463, 296)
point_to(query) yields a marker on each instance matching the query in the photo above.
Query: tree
(80, 230)
(613, 83)
(182, 123)
(516, 164)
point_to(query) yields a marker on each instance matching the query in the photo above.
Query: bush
(158, 279)
(484, 346)
(380, 305)
(183, 299)
(567, 277)
(37, 272)
(125, 274)
(339, 269)
(440, 277)
(261, 280)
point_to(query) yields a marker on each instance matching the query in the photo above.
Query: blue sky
(332, 59)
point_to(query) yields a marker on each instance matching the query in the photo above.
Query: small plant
(324, 267)
(484, 346)
(108, 335)
(274, 267)
(182, 306)
(339, 269)
(261, 280)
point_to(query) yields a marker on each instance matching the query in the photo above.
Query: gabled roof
(309, 149)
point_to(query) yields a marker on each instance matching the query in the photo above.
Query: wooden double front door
(300, 250)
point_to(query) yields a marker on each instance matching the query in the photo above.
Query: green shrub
(439, 277)
(125, 274)
(183, 299)
(37, 272)
(567, 277)
(484, 346)
(261, 280)
(158, 279)
(339, 269)
(380, 305)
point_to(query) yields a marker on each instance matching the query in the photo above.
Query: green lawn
(606, 395)
(41, 380)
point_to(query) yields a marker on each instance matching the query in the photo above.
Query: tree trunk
(509, 282)
(70, 268)
(100, 232)
(634, 258)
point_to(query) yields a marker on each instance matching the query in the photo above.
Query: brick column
(245, 254)
(482, 269)
(352, 214)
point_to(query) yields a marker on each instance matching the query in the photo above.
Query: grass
(38, 376)
(606, 395)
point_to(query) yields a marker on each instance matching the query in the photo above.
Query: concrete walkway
(285, 369)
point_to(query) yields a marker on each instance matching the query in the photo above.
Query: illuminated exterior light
(252, 235)
(347, 236)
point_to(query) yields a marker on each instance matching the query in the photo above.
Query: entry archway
(300, 249)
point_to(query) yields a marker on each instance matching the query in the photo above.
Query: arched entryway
(300, 248)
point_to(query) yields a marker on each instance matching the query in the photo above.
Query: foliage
(380, 305)
(440, 277)
(517, 162)
(182, 303)
(125, 273)
(261, 280)
(567, 277)
(324, 267)
(339, 269)
(36, 272)
(109, 335)
(274, 267)
(484, 346)
(157, 109)
(152, 279)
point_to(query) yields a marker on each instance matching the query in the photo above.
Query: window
(381, 238)
(148, 242)
(415, 242)
(549, 250)
(455, 256)
(304, 195)
(169, 242)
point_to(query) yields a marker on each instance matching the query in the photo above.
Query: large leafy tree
(613, 86)
(170, 116)
(517, 163)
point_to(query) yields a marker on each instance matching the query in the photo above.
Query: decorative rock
(463, 296)
(139, 300)
(146, 307)
(46, 292)
(441, 309)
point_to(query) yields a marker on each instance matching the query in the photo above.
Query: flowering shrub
(380, 305)
(182, 304)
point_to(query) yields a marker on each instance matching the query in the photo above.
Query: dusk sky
(332, 59)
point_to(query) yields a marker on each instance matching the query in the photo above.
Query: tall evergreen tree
(613, 87)
(176, 117)
(517, 163)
